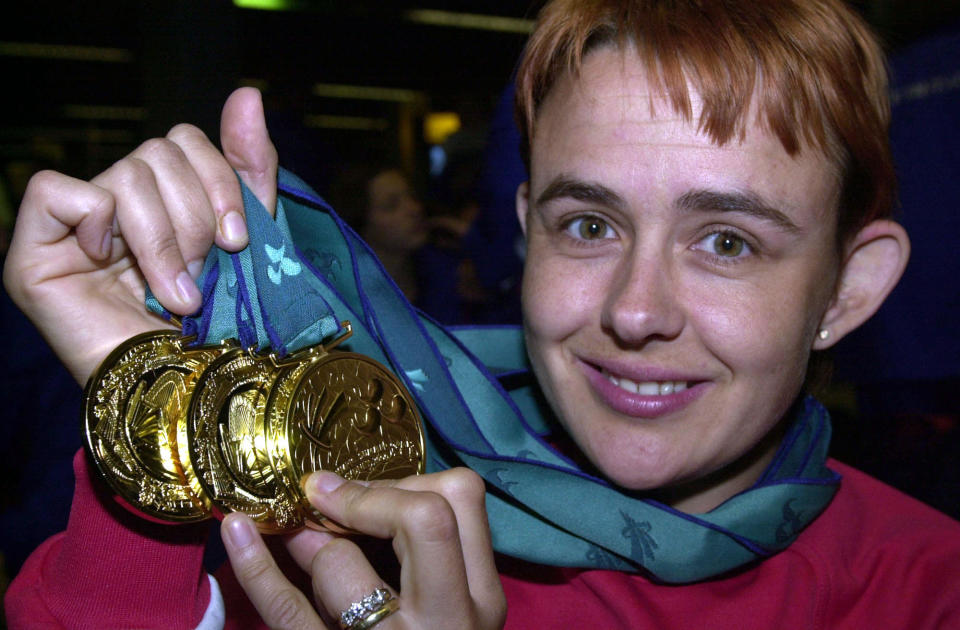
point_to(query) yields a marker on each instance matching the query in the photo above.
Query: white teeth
(673, 388)
(647, 388)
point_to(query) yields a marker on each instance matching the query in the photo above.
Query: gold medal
(131, 408)
(344, 413)
(227, 443)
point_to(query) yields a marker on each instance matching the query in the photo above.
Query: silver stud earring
(824, 334)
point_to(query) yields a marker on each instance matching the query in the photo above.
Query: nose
(643, 301)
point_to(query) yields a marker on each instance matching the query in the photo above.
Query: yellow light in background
(476, 21)
(104, 112)
(59, 51)
(438, 126)
(267, 5)
(366, 93)
(353, 123)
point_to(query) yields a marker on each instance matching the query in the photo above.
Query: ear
(874, 261)
(523, 204)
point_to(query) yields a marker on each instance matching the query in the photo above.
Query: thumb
(247, 146)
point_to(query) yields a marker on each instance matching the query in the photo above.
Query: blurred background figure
(422, 255)
(494, 241)
(380, 205)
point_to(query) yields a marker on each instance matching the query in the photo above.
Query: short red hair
(819, 72)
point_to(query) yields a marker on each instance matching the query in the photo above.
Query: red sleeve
(111, 569)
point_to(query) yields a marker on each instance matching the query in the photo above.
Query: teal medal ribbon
(306, 270)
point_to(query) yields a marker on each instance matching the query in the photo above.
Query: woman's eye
(590, 229)
(726, 245)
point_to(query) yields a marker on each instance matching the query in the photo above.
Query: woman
(707, 205)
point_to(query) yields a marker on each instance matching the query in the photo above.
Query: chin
(627, 469)
(639, 481)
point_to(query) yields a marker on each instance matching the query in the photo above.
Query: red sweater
(874, 559)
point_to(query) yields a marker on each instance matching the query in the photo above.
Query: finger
(219, 181)
(423, 527)
(280, 604)
(63, 225)
(247, 146)
(342, 575)
(55, 204)
(184, 199)
(465, 491)
(304, 545)
(143, 221)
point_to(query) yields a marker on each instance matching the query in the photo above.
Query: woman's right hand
(83, 252)
(438, 527)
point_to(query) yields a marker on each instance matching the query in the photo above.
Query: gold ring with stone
(369, 611)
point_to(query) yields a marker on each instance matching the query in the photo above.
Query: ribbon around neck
(306, 270)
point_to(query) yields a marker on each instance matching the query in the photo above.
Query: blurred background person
(421, 255)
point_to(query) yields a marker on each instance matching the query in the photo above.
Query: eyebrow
(590, 192)
(747, 203)
(742, 202)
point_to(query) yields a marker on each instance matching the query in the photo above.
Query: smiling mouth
(646, 388)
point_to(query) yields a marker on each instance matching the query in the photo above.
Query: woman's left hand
(438, 526)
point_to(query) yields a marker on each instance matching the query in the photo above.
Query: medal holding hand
(81, 258)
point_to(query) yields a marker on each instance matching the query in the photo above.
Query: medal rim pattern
(277, 444)
(100, 385)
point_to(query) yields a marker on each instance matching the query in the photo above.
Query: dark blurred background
(416, 84)
(86, 82)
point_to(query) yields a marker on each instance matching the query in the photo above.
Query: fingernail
(195, 268)
(323, 482)
(106, 243)
(233, 227)
(239, 531)
(186, 287)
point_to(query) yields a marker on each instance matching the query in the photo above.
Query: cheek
(559, 296)
(764, 329)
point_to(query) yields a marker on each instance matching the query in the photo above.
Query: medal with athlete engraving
(345, 413)
(132, 406)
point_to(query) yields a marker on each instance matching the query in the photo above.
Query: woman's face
(673, 288)
(394, 217)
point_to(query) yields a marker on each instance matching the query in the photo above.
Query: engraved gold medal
(132, 406)
(344, 413)
(227, 444)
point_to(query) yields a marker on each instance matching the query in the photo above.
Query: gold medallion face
(227, 442)
(348, 414)
(132, 406)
